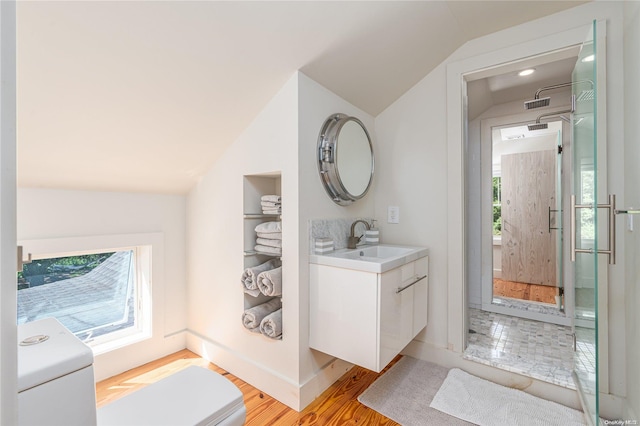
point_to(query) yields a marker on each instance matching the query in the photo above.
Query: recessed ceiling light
(526, 72)
(589, 58)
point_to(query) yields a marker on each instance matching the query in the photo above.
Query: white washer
(55, 376)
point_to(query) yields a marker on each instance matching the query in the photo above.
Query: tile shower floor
(532, 348)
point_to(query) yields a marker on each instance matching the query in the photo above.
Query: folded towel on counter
(270, 236)
(271, 325)
(269, 242)
(252, 317)
(269, 204)
(267, 249)
(250, 276)
(270, 282)
(272, 198)
(269, 227)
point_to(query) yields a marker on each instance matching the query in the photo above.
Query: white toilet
(56, 387)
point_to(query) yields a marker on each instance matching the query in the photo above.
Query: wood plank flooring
(524, 291)
(337, 406)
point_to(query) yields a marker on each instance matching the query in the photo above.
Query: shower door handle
(611, 208)
(549, 219)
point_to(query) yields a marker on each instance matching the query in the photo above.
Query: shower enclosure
(586, 244)
(574, 240)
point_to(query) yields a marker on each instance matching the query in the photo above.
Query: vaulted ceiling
(145, 96)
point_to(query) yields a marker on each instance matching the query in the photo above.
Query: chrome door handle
(611, 208)
(401, 289)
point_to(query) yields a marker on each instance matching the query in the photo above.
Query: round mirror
(345, 158)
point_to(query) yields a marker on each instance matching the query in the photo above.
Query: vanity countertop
(374, 258)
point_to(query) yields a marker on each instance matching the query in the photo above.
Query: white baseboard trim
(118, 361)
(294, 395)
(321, 380)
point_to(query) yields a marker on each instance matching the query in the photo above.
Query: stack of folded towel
(269, 238)
(265, 318)
(271, 204)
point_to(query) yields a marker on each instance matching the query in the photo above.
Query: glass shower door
(585, 225)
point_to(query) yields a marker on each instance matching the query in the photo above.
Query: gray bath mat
(404, 393)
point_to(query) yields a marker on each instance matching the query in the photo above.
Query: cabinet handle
(401, 289)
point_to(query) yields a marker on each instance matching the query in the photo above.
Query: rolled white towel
(270, 204)
(269, 227)
(270, 282)
(271, 325)
(267, 249)
(269, 242)
(250, 276)
(252, 317)
(272, 198)
(270, 235)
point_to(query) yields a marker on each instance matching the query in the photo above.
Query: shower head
(541, 126)
(537, 103)
(537, 126)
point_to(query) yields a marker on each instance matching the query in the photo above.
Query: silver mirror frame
(328, 159)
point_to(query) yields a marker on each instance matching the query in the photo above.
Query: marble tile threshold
(517, 364)
(528, 305)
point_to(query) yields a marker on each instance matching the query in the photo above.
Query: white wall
(632, 195)
(215, 253)
(315, 105)
(414, 137)
(8, 348)
(49, 214)
(281, 139)
(411, 175)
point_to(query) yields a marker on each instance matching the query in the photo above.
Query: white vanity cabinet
(367, 318)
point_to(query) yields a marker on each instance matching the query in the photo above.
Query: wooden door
(528, 190)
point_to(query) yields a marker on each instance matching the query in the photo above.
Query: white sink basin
(380, 258)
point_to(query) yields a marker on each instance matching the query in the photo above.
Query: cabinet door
(396, 312)
(420, 296)
(343, 314)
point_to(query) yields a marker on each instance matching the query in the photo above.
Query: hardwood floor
(524, 291)
(338, 405)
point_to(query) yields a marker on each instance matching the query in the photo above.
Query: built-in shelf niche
(254, 187)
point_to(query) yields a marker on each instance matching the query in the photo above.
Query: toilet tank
(55, 376)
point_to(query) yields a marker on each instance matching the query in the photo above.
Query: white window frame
(148, 253)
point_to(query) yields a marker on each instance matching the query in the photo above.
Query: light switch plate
(393, 214)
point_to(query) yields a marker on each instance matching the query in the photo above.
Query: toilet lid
(193, 396)
(41, 359)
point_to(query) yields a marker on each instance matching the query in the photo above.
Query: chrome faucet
(352, 241)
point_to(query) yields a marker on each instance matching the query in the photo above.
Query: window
(97, 295)
(497, 205)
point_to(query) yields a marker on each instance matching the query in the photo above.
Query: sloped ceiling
(145, 96)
